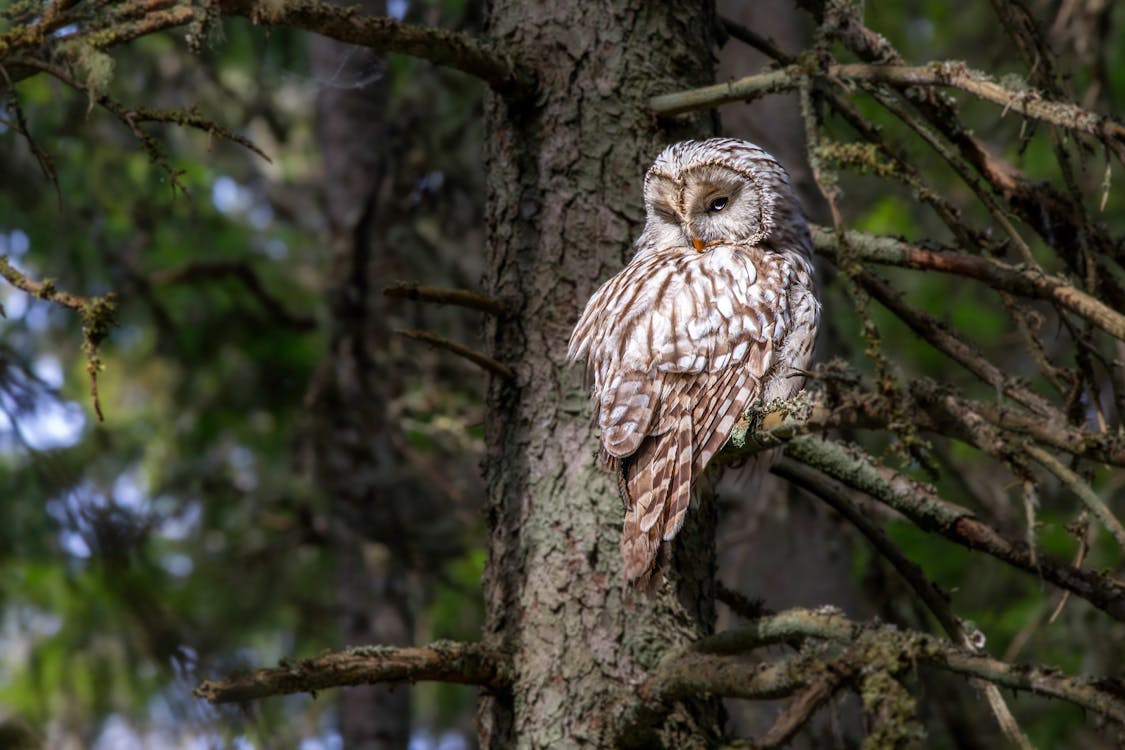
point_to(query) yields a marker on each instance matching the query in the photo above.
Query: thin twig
(921, 504)
(458, 297)
(935, 600)
(98, 316)
(834, 675)
(995, 273)
(481, 360)
(1081, 488)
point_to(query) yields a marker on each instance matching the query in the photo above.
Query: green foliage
(182, 538)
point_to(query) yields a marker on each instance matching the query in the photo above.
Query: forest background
(273, 464)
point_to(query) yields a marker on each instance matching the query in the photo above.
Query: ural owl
(715, 314)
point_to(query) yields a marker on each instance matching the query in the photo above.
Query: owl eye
(717, 204)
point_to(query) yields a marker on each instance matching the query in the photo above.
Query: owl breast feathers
(715, 313)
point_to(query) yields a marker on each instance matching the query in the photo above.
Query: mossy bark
(565, 167)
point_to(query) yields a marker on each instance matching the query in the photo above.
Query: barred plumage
(715, 313)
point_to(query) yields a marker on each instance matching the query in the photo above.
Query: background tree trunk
(564, 204)
(351, 452)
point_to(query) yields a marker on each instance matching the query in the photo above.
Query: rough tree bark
(564, 203)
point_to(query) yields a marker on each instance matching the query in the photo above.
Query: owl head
(722, 191)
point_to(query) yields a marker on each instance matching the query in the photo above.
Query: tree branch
(451, 49)
(443, 661)
(1102, 696)
(995, 273)
(98, 314)
(713, 666)
(458, 297)
(835, 675)
(936, 600)
(921, 504)
(1051, 213)
(1027, 101)
(480, 360)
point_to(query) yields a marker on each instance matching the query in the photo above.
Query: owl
(715, 314)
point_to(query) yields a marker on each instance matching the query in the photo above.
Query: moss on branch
(443, 661)
(135, 18)
(98, 316)
(994, 273)
(837, 651)
(1024, 100)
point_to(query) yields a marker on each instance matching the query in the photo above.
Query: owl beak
(697, 244)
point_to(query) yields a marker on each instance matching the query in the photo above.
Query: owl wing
(705, 318)
(691, 351)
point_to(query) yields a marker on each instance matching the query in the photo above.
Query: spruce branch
(479, 58)
(442, 661)
(922, 505)
(1026, 101)
(935, 600)
(837, 652)
(995, 273)
(135, 18)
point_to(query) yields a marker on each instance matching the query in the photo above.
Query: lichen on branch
(98, 315)
(443, 661)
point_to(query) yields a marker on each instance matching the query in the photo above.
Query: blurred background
(280, 473)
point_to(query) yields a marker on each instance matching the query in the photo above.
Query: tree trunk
(564, 172)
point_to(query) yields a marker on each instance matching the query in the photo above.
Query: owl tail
(658, 480)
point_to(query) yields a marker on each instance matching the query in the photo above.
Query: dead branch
(132, 118)
(458, 297)
(936, 600)
(836, 674)
(1101, 696)
(480, 360)
(995, 273)
(1027, 102)
(443, 661)
(451, 49)
(712, 666)
(922, 505)
(1042, 207)
(939, 336)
